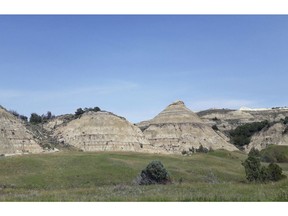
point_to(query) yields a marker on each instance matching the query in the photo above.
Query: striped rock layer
(14, 137)
(177, 128)
(102, 131)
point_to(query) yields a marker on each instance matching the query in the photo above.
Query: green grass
(275, 153)
(82, 176)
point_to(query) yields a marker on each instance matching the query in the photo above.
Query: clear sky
(136, 65)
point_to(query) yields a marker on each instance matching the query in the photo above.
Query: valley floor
(86, 176)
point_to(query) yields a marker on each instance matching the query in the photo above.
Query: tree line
(38, 119)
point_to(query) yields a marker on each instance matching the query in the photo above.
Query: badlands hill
(275, 133)
(174, 130)
(177, 128)
(227, 119)
(99, 131)
(14, 136)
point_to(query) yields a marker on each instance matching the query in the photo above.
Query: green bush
(254, 152)
(202, 149)
(80, 111)
(154, 173)
(253, 170)
(215, 128)
(285, 121)
(35, 118)
(257, 173)
(242, 134)
(274, 172)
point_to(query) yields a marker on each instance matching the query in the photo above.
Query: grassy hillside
(275, 153)
(80, 176)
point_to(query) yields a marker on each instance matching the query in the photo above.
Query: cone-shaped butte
(14, 137)
(102, 131)
(177, 128)
(176, 112)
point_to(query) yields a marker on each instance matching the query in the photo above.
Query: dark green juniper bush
(154, 173)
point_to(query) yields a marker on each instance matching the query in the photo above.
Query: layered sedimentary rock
(277, 134)
(102, 131)
(14, 137)
(230, 119)
(177, 128)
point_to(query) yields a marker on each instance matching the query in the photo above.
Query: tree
(254, 152)
(79, 112)
(242, 134)
(154, 173)
(274, 172)
(285, 120)
(49, 115)
(24, 118)
(257, 173)
(96, 109)
(252, 167)
(202, 149)
(35, 118)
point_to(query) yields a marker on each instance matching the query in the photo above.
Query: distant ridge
(262, 109)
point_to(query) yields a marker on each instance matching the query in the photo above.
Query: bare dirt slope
(226, 120)
(177, 128)
(14, 137)
(277, 134)
(101, 131)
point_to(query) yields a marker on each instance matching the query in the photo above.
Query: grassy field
(82, 176)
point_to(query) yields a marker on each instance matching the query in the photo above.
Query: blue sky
(135, 66)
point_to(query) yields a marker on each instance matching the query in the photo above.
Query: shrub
(215, 128)
(35, 118)
(274, 172)
(285, 120)
(202, 149)
(154, 173)
(254, 152)
(243, 133)
(257, 173)
(252, 169)
(24, 118)
(15, 113)
(286, 130)
(184, 152)
(79, 112)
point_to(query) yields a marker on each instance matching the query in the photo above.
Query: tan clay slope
(14, 137)
(176, 112)
(102, 131)
(276, 134)
(177, 128)
(230, 119)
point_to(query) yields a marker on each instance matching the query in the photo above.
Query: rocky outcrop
(226, 119)
(14, 137)
(276, 134)
(101, 131)
(177, 128)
